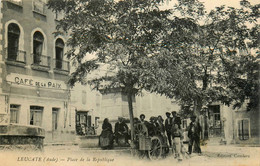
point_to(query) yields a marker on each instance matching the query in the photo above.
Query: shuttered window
(243, 129)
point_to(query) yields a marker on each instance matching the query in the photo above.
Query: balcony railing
(41, 60)
(15, 55)
(61, 65)
(16, 2)
(39, 7)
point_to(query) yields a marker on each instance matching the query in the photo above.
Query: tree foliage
(186, 53)
(210, 56)
(121, 34)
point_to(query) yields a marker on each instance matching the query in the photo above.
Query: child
(177, 136)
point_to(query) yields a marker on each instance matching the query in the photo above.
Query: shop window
(14, 113)
(13, 41)
(55, 112)
(36, 115)
(89, 121)
(243, 129)
(59, 51)
(81, 122)
(37, 47)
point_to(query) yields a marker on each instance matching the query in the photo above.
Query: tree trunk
(131, 114)
(197, 109)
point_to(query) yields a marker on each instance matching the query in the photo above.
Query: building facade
(34, 70)
(84, 108)
(223, 124)
(114, 104)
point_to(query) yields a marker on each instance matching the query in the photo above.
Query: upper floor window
(38, 40)
(58, 15)
(13, 41)
(59, 51)
(17, 2)
(39, 6)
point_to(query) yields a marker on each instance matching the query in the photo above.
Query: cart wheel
(156, 148)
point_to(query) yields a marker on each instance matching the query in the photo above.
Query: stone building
(114, 104)
(223, 124)
(84, 109)
(33, 69)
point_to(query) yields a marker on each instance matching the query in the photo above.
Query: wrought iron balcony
(61, 65)
(12, 54)
(41, 60)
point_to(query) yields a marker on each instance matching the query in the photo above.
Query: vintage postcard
(129, 82)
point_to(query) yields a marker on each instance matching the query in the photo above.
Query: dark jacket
(194, 130)
(161, 127)
(107, 126)
(168, 125)
(176, 120)
(121, 128)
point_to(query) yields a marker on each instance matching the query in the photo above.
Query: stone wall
(18, 137)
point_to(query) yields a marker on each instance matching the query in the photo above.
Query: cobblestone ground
(73, 155)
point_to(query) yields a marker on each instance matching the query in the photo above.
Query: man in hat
(121, 129)
(194, 131)
(168, 126)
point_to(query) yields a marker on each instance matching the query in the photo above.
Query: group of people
(107, 137)
(170, 128)
(175, 135)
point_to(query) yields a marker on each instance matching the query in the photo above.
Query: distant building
(152, 104)
(33, 69)
(223, 124)
(85, 107)
(114, 104)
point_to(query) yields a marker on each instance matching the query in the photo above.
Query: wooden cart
(154, 146)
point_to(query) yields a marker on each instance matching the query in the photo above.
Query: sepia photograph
(129, 82)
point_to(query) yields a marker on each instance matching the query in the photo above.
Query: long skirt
(106, 139)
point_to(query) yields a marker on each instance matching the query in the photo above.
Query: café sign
(35, 81)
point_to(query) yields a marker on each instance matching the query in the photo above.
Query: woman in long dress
(106, 136)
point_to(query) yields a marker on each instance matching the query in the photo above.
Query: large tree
(122, 36)
(215, 57)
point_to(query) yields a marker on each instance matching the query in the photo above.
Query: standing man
(175, 119)
(177, 135)
(168, 126)
(194, 131)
